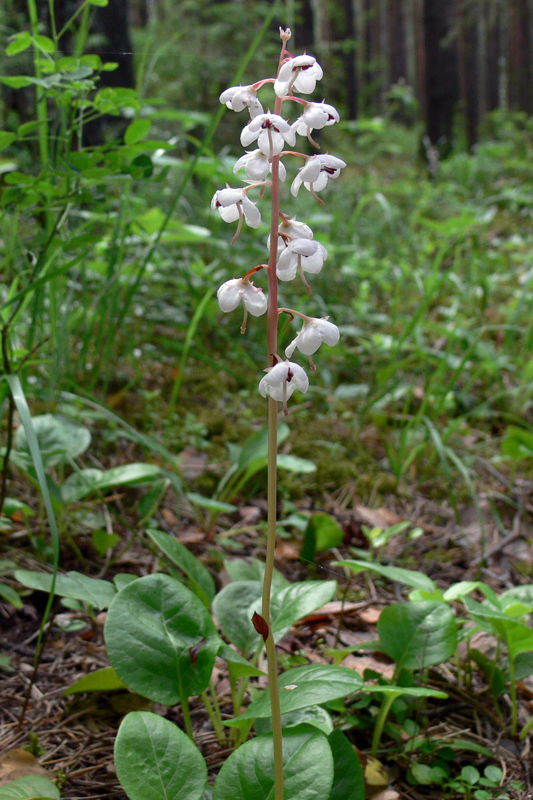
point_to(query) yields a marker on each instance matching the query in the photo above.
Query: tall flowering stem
(292, 251)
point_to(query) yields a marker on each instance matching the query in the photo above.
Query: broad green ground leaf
(155, 760)
(348, 778)
(59, 438)
(238, 666)
(151, 626)
(241, 569)
(30, 786)
(93, 591)
(248, 774)
(296, 601)
(523, 594)
(417, 635)
(409, 577)
(6, 138)
(232, 609)
(202, 583)
(102, 680)
(316, 716)
(321, 533)
(86, 481)
(306, 686)
(8, 593)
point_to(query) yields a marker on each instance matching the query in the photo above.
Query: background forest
(132, 432)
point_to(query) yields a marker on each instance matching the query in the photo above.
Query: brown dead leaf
(361, 663)
(169, 516)
(287, 551)
(377, 517)
(376, 777)
(17, 763)
(192, 463)
(370, 615)
(388, 794)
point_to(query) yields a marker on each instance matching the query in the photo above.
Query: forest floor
(71, 738)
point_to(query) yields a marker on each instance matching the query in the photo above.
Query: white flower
(301, 254)
(257, 166)
(313, 333)
(281, 381)
(316, 115)
(233, 203)
(232, 292)
(291, 229)
(271, 132)
(299, 74)
(239, 97)
(316, 172)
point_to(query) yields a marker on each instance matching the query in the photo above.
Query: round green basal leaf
(316, 716)
(231, 607)
(417, 635)
(155, 760)
(160, 639)
(348, 778)
(306, 686)
(59, 438)
(30, 786)
(93, 591)
(248, 774)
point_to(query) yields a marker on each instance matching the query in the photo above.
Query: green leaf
(101, 3)
(8, 593)
(36, 787)
(412, 691)
(248, 774)
(102, 680)
(155, 760)
(296, 601)
(240, 569)
(348, 779)
(86, 481)
(408, 577)
(59, 438)
(7, 138)
(309, 686)
(210, 504)
(417, 635)
(137, 131)
(19, 42)
(321, 533)
(93, 591)
(16, 81)
(295, 464)
(316, 716)
(201, 581)
(232, 608)
(44, 43)
(151, 627)
(238, 666)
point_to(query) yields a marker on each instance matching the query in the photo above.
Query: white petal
(248, 136)
(295, 186)
(252, 215)
(228, 197)
(311, 169)
(229, 295)
(308, 340)
(329, 332)
(298, 376)
(254, 300)
(229, 213)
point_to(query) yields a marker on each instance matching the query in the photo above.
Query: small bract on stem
(292, 251)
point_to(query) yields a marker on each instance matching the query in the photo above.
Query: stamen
(312, 363)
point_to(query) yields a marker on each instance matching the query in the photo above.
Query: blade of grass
(19, 397)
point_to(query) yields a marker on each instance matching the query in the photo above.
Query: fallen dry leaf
(17, 763)
(388, 794)
(377, 517)
(376, 776)
(361, 663)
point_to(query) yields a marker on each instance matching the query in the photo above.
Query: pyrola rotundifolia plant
(293, 251)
